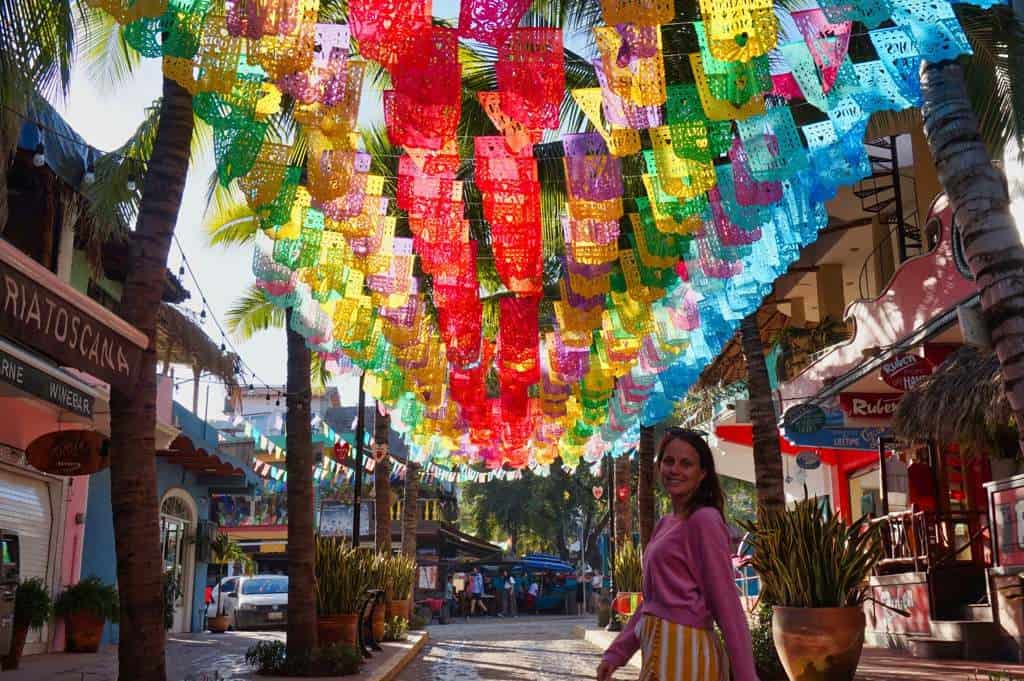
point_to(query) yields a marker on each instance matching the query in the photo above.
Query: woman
(688, 580)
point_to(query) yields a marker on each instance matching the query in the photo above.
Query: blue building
(189, 472)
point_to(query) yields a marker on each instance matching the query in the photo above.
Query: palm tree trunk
(299, 465)
(133, 484)
(767, 454)
(645, 484)
(382, 482)
(981, 204)
(410, 510)
(623, 507)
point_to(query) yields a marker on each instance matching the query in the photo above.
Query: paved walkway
(537, 648)
(190, 657)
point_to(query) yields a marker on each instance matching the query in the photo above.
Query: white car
(259, 601)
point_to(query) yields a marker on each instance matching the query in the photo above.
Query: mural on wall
(910, 597)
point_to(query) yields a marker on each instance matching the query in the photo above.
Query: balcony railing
(925, 540)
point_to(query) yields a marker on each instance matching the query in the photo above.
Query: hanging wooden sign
(69, 452)
(804, 419)
(904, 371)
(598, 492)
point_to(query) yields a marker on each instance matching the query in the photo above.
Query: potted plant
(32, 609)
(226, 551)
(85, 607)
(342, 578)
(629, 580)
(814, 571)
(400, 574)
(378, 574)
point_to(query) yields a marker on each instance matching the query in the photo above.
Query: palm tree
(382, 481)
(645, 483)
(978, 192)
(299, 464)
(767, 452)
(410, 509)
(623, 508)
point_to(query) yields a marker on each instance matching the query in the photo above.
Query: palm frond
(253, 312)
(110, 61)
(994, 83)
(37, 39)
(232, 225)
(319, 374)
(114, 197)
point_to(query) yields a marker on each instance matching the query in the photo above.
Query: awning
(544, 561)
(195, 453)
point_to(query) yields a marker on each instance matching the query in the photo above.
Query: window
(265, 585)
(230, 586)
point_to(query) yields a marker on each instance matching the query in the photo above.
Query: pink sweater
(688, 579)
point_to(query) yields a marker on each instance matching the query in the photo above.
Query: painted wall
(98, 556)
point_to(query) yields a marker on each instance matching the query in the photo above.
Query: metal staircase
(881, 193)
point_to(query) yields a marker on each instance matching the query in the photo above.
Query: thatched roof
(963, 402)
(182, 341)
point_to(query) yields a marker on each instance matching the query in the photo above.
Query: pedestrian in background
(498, 584)
(687, 580)
(596, 584)
(476, 592)
(511, 607)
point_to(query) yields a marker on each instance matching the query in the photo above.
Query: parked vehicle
(249, 602)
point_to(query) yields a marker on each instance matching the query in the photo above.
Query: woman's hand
(605, 671)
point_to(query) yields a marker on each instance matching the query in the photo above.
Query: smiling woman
(674, 626)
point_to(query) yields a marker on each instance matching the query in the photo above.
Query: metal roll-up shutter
(25, 509)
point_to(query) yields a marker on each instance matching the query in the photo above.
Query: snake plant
(399, 575)
(343, 574)
(628, 568)
(808, 560)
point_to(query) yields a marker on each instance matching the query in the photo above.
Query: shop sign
(69, 452)
(912, 598)
(31, 380)
(804, 418)
(869, 405)
(598, 491)
(840, 438)
(1008, 512)
(34, 315)
(904, 371)
(808, 461)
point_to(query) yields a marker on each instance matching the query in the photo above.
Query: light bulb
(40, 158)
(89, 177)
(131, 183)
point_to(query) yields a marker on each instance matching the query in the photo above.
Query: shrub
(89, 595)
(395, 629)
(32, 604)
(769, 667)
(628, 569)
(399, 574)
(418, 623)
(267, 657)
(270, 658)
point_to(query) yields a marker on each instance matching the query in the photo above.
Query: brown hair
(709, 492)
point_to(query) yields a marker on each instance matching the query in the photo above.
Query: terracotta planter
(399, 608)
(337, 629)
(819, 643)
(218, 624)
(11, 660)
(378, 621)
(85, 632)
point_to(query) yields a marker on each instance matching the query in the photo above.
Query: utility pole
(613, 621)
(360, 427)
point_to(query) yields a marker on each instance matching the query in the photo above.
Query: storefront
(190, 472)
(58, 352)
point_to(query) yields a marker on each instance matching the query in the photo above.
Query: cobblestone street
(535, 648)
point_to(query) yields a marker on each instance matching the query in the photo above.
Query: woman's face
(680, 470)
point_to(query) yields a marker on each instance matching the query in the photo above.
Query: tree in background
(382, 480)
(645, 484)
(538, 513)
(411, 509)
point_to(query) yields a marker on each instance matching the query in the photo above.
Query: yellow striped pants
(673, 652)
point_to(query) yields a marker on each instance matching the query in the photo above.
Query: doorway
(177, 550)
